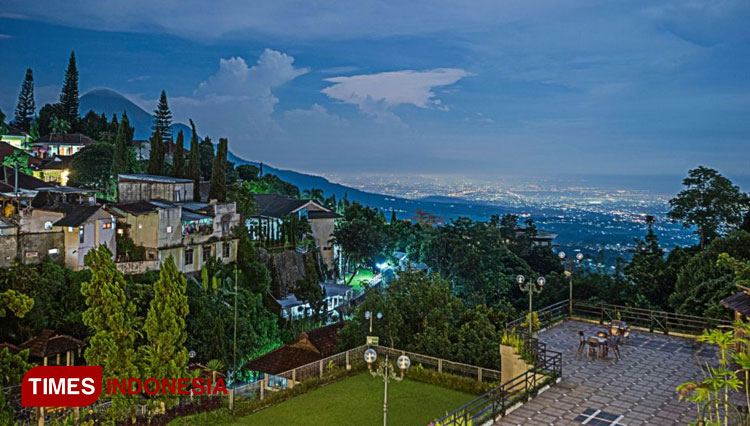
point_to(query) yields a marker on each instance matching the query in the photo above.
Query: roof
(8, 177)
(13, 349)
(273, 205)
(739, 302)
(7, 149)
(187, 215)
(57, 139)
(136, 208)
(332, 289)
(14, 131)
(48, 344)
(323, 214)
(311, 346)
(143, 177)
(66, 190)
(75, 214)
(58, 162)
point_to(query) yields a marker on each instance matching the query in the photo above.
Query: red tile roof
(47, 344)
(13, 349)
(311, 346)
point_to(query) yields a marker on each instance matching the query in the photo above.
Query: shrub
(449, 381)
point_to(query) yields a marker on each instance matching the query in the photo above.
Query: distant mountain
(110, 102)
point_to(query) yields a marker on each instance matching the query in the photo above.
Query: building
(54, 144)
(337, 296)
(274, 214)
(17, 138)
(541, 238)
(73, 212)
(153, 214)
(53, 170)
(143, 187)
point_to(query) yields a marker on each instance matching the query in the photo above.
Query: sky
(481, 89)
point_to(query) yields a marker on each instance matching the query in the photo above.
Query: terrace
(637, 389)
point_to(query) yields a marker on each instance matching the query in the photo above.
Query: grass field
(358, 401)
(363, 276)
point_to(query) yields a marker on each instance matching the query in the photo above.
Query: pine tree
(156, 155)
(218, 188)
(165, 356)
(26, 107)
(121, 158)
(112, 318)
(69, 93)
(393, 216)
(194, 163)
(3, 127)
(163, 119)
(207, 158)
(178, 159)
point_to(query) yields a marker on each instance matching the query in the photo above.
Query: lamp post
(369, 315)
(387, 372)
(531, 287)
(569, 273)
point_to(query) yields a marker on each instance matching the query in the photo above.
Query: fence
(665, 322)
(495, 403)
(549, 316)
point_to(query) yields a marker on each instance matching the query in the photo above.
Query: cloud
(376, 94)
(2, 36)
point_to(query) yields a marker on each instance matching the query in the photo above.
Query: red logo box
(61, 386)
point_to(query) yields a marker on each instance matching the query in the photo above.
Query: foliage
(156, 154)
(710, 202)
(247, 172)
(111, 317)
(206, 158)
(218, 186)
(122, 160)
(69, 93)
(17, 303)
(241, 194)
(18, 159)
(449, 381)
(271, 184)
(26, 108)
(535, 323)
(254, 274)
(649, 272)
(91, 167)
(703, 282)
(308, 289)
(165, 356)
(178, 158)
(361, 235)
(194, 163)
(162, 120)
(46, 114)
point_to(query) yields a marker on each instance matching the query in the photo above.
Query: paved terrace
(638, 389)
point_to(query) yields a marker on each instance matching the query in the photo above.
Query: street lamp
(369, 315)
(385, 371)
(532, 287)
(569, 272)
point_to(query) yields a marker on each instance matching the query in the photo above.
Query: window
(80, 234)
(47, 226)
(169, 229)
(225, 227)
(206, 253)
(188, 256)
(52, 251)
(107, 225)
(140, 226)
(177, 195)
(225, 250)
(70, 229)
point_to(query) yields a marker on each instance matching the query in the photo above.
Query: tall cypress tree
(165, 356)
(120, 158)
(26, 107)
(112, 318)
(218, 188)
(69, 93)
(194, 163)
(393, 216)
(156, 155)
(207, 158)
(163, 119)
(178, 159)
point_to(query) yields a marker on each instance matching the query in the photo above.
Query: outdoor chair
(581, 342)
(616, 348)
(614, 328)
(593, 347)
(626, 333)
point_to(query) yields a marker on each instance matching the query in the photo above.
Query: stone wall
(286, 267)
(34, 246)
(8, 249)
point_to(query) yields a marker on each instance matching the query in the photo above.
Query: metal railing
(548, 316)
(653, 321)
(495, 403)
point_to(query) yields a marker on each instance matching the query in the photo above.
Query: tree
(25, 109)
(121, 159)
(18, 159)
(710, 202)
(47, 114)
(163, 119)
(308, 289)
(361, 235)
(178, 158)
(111, 317)
(393, 217)
(3, 126)
(165, 356)
(247, 172)
(218, 186)
(648, 271)
(156, 155)
(244, 200)
(194, 163)
(313, 194)
(207, 158)
(69, 93)
(91, 167)
(17, 303)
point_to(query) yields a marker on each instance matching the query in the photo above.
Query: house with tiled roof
(49, 347)
(276, 214)
(54, 144)
(311, 346)
(16, 137)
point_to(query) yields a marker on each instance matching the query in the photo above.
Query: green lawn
(358, 400)
(363, 276)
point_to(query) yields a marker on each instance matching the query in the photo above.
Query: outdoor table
(602, 345)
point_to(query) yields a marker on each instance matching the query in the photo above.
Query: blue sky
(477, 88)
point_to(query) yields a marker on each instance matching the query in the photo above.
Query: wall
(131, 268)
(34, 246)
(143, 229)
(286, 267)
(8, 250)
(322, 230)
(144, 191)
